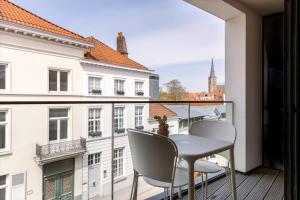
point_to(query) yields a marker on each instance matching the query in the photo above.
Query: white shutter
(18, 182)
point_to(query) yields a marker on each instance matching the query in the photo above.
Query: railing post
(189, 117)
(112, 148)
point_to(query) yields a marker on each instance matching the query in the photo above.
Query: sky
(171, 37)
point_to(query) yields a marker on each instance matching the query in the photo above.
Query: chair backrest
(153, 156)
(220, 130)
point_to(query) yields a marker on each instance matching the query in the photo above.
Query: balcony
(58, 151)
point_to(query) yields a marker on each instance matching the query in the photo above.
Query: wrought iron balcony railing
(51, 152)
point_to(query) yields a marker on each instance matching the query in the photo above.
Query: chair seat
(181, 179)
(202, 166)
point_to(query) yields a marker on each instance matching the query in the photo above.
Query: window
(3, 77)
(94, 122)
(119, 87)
(139, 88)
(58, 80)
(3, 187)
(118, 162)
(58, 124)
(95, 85)
(139, 117)
(119, 120)
(3, 130)
(94, 158)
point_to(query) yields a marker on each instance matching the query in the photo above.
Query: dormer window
(94, 85)
(139, 88)
(119, 87)
(58, 80)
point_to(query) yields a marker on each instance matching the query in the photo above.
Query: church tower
(212, 79)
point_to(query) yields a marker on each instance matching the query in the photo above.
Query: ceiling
(265, 7)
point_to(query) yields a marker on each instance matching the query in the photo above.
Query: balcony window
(3, 131)
(3, 187)
(139, 117)
(119, 120)
(94, 159)
(118, 162)
(58, 124)
(139, 88)
(119, 87)
(94, 122)
(94, 85)
(58, 80)
(3, 77)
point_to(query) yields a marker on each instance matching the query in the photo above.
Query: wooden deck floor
(263, 183)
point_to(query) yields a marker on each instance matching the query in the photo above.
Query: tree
(175, 91)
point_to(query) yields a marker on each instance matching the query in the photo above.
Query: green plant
(163, 125)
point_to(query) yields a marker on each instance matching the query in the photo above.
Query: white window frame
(7, 77)
(118, 118)
(6, 186)
(138, 116)
(59, 70)
(117, 170)
(118, 86)
(94, 84)
(94, 121)
(92, 160)
(139, 87)
(69, 132)
(7, 124)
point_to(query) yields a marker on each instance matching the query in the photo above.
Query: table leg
(232, 167)
(191, 181)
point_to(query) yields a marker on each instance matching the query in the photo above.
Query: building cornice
(102, 64)
(41, 34)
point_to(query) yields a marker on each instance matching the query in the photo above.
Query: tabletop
(190, 146)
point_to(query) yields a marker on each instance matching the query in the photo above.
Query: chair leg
(179, 192)
(203, 185)
(171, 193)
(132, 187)
(165, 194)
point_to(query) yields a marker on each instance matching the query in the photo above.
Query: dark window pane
(2, 76)
(52, 130)
(2, 180)
(64, 129)
(2, 194)
(2, 136)
(2, 116)
(52, 80)
(63, 81)
(56, 112)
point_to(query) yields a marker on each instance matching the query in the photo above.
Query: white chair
(220, 130)
(155, 158)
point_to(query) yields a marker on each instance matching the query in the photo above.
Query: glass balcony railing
(101, 164)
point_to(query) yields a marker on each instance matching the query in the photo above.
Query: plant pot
(163, 132)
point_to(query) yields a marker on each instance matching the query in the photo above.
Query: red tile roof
(15, 14)
(104, 53)
(157, 109)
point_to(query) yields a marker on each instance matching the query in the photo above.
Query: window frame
(100, 124)
(94, 159)
(116, 163)
(58, 84)
(8, 133)
(118, 87)
(138, 89)
(117, 118)
(139, 117)
(6, 186)
(100, 85)
(7, 76)
(69, 127)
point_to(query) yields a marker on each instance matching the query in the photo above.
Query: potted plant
(163, 128)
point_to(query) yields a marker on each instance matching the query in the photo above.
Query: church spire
(212, 69)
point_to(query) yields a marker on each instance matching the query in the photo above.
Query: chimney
(121, 44)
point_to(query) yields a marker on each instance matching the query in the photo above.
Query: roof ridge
(97, 40)
(58, 26)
